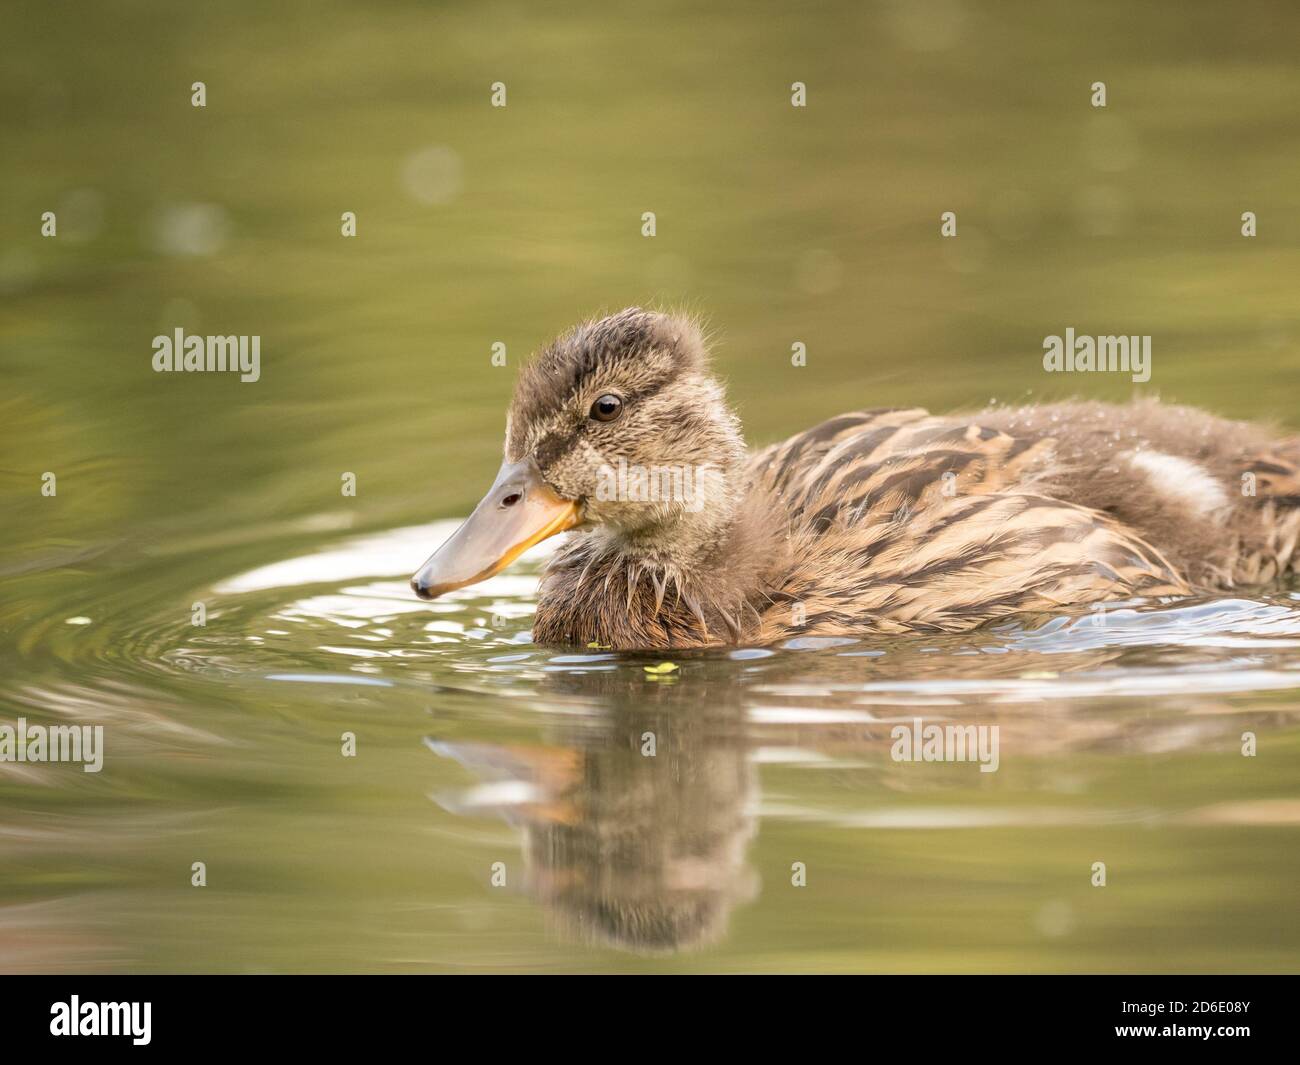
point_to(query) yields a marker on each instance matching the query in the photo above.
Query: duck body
(878, 521)
(895, 521)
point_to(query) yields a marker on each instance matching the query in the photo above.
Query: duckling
(873, 522)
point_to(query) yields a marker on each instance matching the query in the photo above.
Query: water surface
(481, 757)
(1120, 742)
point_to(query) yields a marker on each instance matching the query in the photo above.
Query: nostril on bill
(511, 499)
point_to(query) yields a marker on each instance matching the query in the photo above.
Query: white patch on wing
(1183, 480)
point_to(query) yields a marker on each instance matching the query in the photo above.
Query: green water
(478, 754)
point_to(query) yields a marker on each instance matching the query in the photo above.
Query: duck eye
(607, 408)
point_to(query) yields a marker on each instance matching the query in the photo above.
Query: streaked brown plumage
(877, 521)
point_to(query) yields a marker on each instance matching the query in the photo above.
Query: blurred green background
(479, 224)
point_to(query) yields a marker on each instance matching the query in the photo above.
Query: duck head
(618, 428)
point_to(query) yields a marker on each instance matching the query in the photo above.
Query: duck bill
(520, 510)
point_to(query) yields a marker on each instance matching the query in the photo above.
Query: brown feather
(884, 521)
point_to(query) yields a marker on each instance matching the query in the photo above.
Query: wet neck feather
(694, 585)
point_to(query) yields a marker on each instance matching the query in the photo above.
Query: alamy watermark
(207, 354)
(632, 483)
(919, 742)
(1111, 354)
(75, 1017)
(53, 743)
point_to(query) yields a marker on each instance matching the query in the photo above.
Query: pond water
(502, 811)
(513, 807)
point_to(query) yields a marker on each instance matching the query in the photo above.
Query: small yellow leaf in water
(662, 667)
(1042, 674)
(597, 645)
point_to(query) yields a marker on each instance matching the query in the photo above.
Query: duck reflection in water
(648, 851)
(635, 824)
